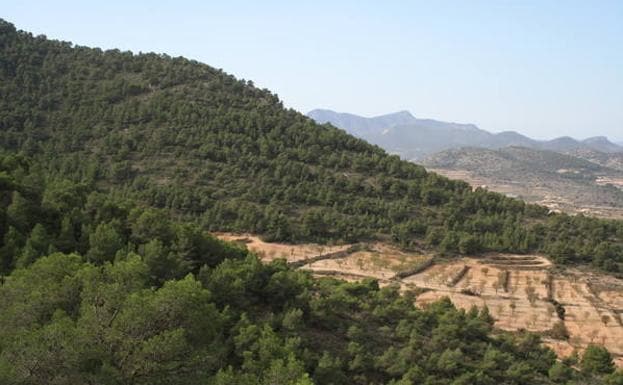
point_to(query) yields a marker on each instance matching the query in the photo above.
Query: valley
(544, 193)
(561, 182)
(520, 291)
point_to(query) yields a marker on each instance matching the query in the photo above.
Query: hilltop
(176, 134)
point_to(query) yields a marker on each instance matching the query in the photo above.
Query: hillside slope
(99, 290)
(613, 161)
(99, 287)
(180, 135)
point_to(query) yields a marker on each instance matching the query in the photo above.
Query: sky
(543, 68)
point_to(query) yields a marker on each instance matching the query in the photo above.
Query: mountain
(179, 135)
(568, 144)
(609, 160)
(401, 132)
(534, 160)
(559, 181)
(510, 138)
(358, 125)
(602, 144)
(123, 294)
(532, 173)
(116, 167)
(418, 138)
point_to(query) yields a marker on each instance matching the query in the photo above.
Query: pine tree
(37, 245)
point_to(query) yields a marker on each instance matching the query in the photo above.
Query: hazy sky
(544, 68)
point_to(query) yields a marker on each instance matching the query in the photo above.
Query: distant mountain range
(412, 138)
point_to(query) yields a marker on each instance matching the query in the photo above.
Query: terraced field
(521, 291)
(270, 251)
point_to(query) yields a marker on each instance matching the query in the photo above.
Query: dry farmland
(270, 251)
(521, 291)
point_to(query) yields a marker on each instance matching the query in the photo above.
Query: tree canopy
(180, 135)
(115, 167)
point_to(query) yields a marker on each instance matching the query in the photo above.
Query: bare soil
(268, 251)
(519, 290)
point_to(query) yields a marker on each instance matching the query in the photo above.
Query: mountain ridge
(352, 121)
(421, 137)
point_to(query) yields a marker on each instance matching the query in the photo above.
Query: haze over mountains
(413, 138)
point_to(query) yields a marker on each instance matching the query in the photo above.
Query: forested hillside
(102, 291)
(114, 168)
(179, 135)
